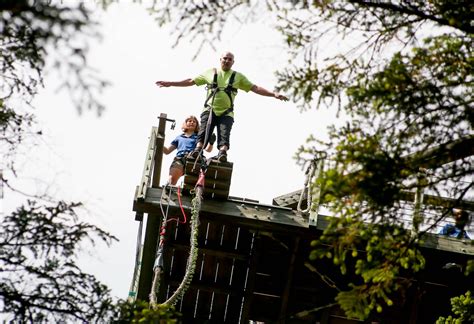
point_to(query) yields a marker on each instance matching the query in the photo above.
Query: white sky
(99, 161)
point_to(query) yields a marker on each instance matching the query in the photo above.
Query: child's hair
(183, 127)
(460, 215)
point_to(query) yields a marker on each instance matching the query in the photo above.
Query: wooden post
(153, 221)
(289, 281)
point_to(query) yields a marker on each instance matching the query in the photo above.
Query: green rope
(193, 253)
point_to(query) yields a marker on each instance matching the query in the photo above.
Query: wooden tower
(253, 258)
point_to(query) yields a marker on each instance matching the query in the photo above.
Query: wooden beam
(290, 200)
(275, 219)
(443, 154)
(250, 285)
(148, 167)
(439, 201)
(250, 215)
(153, 220)
(208, 251)
(289, 281)
(160, 139)
(208, 286)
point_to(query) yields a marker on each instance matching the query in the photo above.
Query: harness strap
(229, 89)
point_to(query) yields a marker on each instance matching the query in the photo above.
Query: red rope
(182, 211)
(181, 206)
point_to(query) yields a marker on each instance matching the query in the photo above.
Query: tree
(40, 37)
(405, 83)
(462, 307)
(40, 240)
(40, 278)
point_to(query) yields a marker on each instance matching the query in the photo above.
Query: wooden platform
(253, 265)
(218, 178)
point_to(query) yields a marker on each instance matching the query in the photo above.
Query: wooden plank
(442, 154)
(266, 308)
(209, 193)
(208, 287)
(251, 277)
(245, 214)
(289, 280)
(187, 304)
(147, 167)
(214, 170)
(222, 278)
(219, 172)
(209, 233)
(271, 279)
(446, 243)
(290, 200)
(217, 179)
(210, 183)
(158, 158)
(221, 253)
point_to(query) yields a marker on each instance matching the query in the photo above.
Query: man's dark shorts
(224, 127)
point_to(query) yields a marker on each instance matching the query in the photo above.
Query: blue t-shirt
(184, 144)
(453, 231)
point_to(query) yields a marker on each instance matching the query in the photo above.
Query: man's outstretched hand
(162, 84)
(281, 97)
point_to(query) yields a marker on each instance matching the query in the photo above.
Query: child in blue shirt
(184, 144)
(461, 218)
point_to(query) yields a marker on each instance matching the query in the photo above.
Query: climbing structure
(252, 258)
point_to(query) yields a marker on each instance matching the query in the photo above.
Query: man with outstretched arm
(222, 85)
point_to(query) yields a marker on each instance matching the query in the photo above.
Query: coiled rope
(315, 165)
(193, 252)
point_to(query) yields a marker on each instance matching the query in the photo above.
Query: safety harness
(213, 88)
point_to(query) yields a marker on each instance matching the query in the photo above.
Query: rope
(207, 135)
(193, 253)
(182, 209)
(158, 265)
(314, 165)
(306, 192)
(132, 294)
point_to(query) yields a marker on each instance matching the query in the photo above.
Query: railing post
(153, 221)
(160, 140)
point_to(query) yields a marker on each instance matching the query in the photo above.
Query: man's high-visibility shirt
(222, 102)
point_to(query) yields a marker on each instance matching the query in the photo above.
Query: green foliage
(39, 246)
(376, 254)
(39, 37)
(141, 312)
(469, 268)
(462, 308)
